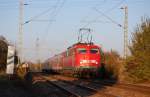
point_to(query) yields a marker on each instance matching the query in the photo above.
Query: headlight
(81, 62)
(88, 61)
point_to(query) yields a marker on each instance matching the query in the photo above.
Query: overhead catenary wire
(54, 13)
(115, 6)
(113, 21)
(50, 22)
(42, 13)
(107, 11)
(35, 17)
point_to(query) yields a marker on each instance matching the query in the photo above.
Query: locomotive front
(88, 59)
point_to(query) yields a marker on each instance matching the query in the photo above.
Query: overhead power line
(107, 11)
(113, 21)
(35, 17)
(115, 6)
(54, 13)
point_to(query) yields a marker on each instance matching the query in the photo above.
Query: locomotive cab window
(94, 50)
(81, 50)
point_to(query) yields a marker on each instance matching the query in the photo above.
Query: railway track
(77, 90)
(127, 86)
(97, 85)
(60, 86)
(44, 88)
(74, 87)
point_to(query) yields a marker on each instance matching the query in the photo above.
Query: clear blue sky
(65, 18)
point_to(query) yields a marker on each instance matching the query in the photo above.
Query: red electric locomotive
(80, 59)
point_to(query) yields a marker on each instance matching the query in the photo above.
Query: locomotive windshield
(94, 50)
(81, 50)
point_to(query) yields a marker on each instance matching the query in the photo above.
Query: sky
(53, 25)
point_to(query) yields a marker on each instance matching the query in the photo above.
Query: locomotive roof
(79, 44)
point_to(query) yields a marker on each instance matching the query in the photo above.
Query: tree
(138, 64)
(3, 52)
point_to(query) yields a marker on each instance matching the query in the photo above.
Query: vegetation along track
(77, 90)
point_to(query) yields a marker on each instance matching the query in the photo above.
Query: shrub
(113, 65)
(138, 63)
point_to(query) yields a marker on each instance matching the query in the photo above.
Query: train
(81, 59)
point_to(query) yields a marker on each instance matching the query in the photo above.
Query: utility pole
(37, 49)
(20, 33)
(125, 31)
(37, 52)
